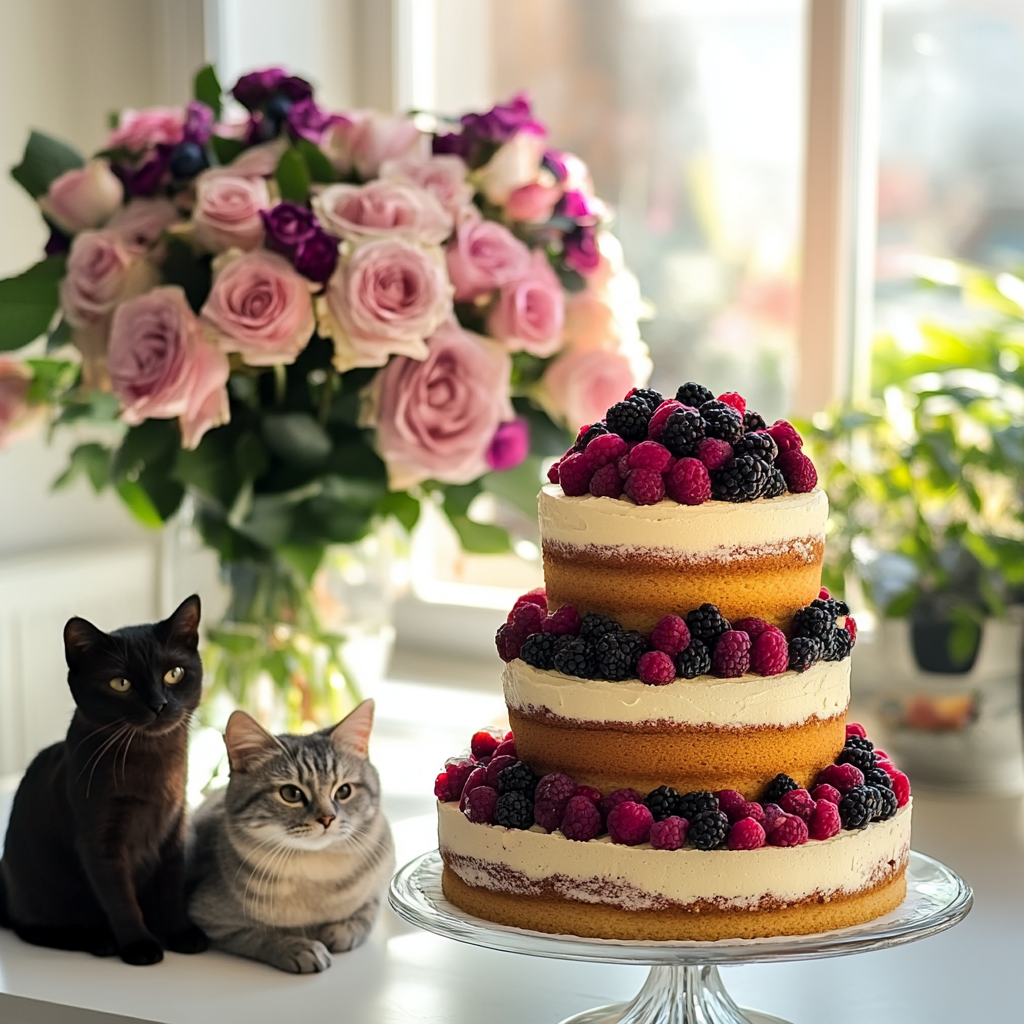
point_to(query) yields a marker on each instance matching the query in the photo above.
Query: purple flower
(580, 250)
(554, 161)
(510, 445)
(317, 256)
(58, 243)
(288, 225)
(145, 179)
(575, 206)
(503, 121)
(452, 143)
(296, 89)
(307, 120)
(198, 123)
(254, 89)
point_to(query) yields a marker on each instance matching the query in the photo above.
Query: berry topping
(441, 787)
(592, 794)
(887, 803)
(671, 635)
(755, 811)
(606, 482)
(824, 821)
(649, 455)
(708, 830)
(656, 668)
(772, 813)
(485, 742)
(683, 431)
(826, 792)
(517, 778)
(688, 482)
(629, 419)
(769, 653)
(740, 479)
(582, 820)
(644, 486)
(753, 421)
(649, 395)
(789, 830)
(669, 833)
(604, 450)
(551, 796)
(798, 471)
(774, 484)
(798, 802)
(619, 796)
(506, 748)
(857, 808)
(754, 627)
(804, 651)
(587, 433)
(663, 802)
(539, 650)
(872, 777)
(838, 645)
(657, 425)
(595, 625)
(850, 625)
(707, 624)
(721, 421)
(855, 729)
(731, 656)
(714, 453)
(863, 759)
(731, 803)
(735, 400)
(509, 642)
(786, 436)
(691, 804)
(694, 661)
(574, 475)
(455, 773)
(855, 740)
(496, 764)
(901, 787)
(778, 788)
(538, 597)
(618, 654)
(480, 805)
(761, 445)
(513, 810)
(629, 823)
(528, 618)
(553, 471)
(576, 658)
(565, 620)
(693, 394)
(843, 776)
(746, 834)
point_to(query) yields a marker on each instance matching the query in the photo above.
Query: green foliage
(89, 460)
(207, 89)
(481, 538)
(28, 303)
(190, 271)
(51, 380)
(293, 176)
(225, 150)
(320, 168)
(45, 159)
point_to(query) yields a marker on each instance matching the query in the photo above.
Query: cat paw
(189, 940)
(142, 952)
(101, 942)
(346, 936)
(301, 956)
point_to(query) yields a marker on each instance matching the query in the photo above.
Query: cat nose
(158, 706)
(326, 820)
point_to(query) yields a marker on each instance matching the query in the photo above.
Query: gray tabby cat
(287, 863)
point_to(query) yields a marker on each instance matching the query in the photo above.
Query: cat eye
(292, 795)
(344, 792)
(120, 685)
(174, 675)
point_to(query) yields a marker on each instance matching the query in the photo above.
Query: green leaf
(45, 159)
(206, 88)
(92, 460)
(320, 168)
(402, 505)
(134, 495)
(51, 378)
(481, 538)
(517, 486)
(225, 150)
(296, 436)
(59, 336)
(191, 272)
(28, 302)
(293, 177)
(150, 442)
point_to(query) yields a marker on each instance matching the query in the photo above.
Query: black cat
(94, 854)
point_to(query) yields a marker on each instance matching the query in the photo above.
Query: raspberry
(683, 431)
(656, 668)
(618, 653)
(825, 821)
(582, 820)
(629, 419)
(592, 794)
(786, 436)
(606, 482)
(484, 743)
(774, 484)
(886, 765)
(576, 658)
(550, 799)
(798, 471)
(517, 778)
(769, 653)
(731, 657)
(671, 635)
(595, 626)
(496, 764)
(480, 805)
(731, 803)
(513, 810)
(857, 807)
(850, 625)
(574, 475)
(740, 479)
(690, 805)
(754, 627)
(753, 810)
(804, 651)
(826, 792)
(708, 830)
(669, 833)
(644, 487)
(629, 823)
(661, 414)
(789, 830)
(509, 642)
(621, 466)
(662, 802)
(553, 471)
(901, 787)
(760, 445)
(587, 433)
(714, 453)
(619, 796)
(649, 455)
(528, 618)
(798, 802)
(863, 759)
(746, 834)
(772, 813)
(838, 645)
(538, 597)
(843, 776)
(539, 650)
(456, 772)
(604, 450)
(855, 729)
(565, 620)
(507, 747)
(688, 482)
(721, 421)
(693, 394)
(737, 401)
(441, 787)
(753, 421)
(707, 624)
(778, 788)
(694, 661)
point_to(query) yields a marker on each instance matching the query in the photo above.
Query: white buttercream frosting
(641, 878)
(790, 698)
(717, 529)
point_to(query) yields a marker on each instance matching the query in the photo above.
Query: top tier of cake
(638, 563)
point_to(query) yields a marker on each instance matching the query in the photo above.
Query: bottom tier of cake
(545, 882)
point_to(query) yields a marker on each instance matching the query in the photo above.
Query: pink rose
(100, 273)
(443, 176)
(161, 365)
(531, 310)
(533, 203)
(582, 384)
(436, 418)
(384, 299)
(364, 141)
(139, 130)
(261, 307)
(515, 164)
(227, 211)
(483, 256)
(14, 384)
(84, 197)
(141, 223)
(382, 209)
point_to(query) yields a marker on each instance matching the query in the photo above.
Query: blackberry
(538, 650)
(862, 759)
(577, 658)
(693, 395)
(692, 804)
(722, 421)
(838, 645)
(595, 625)
(762, 446)
(594, 430)
(708, 830)
(886, 803)
(694, 661)
(742, 478)
(753, 421)
(842, 608)
(707, 624)
(859, 741)
(778, 788)
(518, 778)
(774, 485)
(856, 807)
(617, 654)
(804, 651)
(683, 431)
(662, 802)
(814, 620)
(629, 419)
(650, 396)
(876, 777)
(513, 810)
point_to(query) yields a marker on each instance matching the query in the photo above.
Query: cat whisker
(109, 725)
(97, 756)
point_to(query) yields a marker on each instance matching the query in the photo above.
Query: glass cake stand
(684, 986)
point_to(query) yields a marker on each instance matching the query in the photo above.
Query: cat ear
(352, 733)
(81, 638)
(183, 623)
(248, 742)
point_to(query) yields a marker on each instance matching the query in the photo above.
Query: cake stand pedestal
(684, 986)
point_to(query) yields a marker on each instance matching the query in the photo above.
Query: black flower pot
(930, 641)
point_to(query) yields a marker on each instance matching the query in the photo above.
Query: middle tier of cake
(692, 734)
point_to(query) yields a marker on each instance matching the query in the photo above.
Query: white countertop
(403, 975)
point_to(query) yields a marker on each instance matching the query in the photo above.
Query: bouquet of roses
(310, 320)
